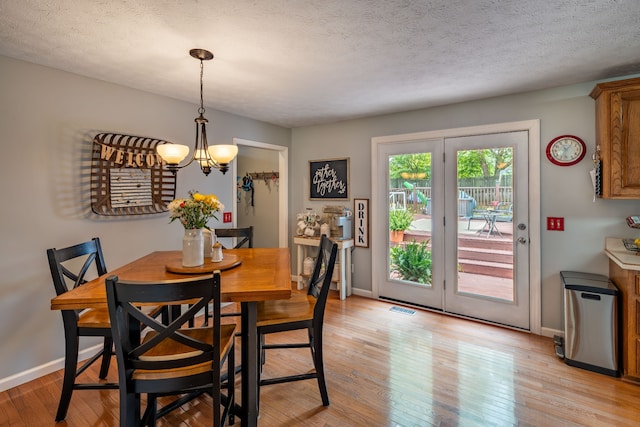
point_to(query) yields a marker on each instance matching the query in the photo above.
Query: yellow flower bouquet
(195, 211)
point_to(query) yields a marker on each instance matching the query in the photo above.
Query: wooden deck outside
(486, 261)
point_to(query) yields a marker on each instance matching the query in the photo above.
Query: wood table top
(263, 274)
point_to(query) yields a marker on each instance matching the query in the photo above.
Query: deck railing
(418, 199)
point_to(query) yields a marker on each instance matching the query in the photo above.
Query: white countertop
(615, 250)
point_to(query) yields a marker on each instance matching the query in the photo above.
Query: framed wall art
(329, 179)
(361, 222)
(128, 177)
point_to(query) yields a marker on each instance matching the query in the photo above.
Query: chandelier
(215, 156)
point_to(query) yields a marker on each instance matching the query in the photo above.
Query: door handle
(522, 240)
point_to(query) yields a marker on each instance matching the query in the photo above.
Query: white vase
(192, 248)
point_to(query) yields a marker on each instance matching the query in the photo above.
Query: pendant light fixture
(214, 156)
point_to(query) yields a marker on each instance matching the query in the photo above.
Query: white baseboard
(548, 332)
(42, 370)
(361, 292)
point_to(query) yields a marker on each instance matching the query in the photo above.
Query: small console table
(343, 262)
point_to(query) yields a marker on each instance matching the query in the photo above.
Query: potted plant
(399, 221)
(412, 261)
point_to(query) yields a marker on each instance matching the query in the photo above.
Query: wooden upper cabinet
(618, 137)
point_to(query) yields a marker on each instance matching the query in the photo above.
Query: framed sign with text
(361, 222)
(128, 177)
(329, 179)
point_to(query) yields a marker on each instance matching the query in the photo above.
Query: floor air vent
(403, 310)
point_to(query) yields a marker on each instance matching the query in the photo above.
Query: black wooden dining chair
(301, 311)
(170, 359)
(245, 235)
(69, 266)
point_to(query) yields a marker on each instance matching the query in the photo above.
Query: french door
(476, 235)
(425, 290)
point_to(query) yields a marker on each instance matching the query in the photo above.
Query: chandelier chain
(201, 109)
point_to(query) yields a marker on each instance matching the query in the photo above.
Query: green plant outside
(412, 261)
(400, 219)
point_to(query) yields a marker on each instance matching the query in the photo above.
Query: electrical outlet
(226, 217)
(555, 223)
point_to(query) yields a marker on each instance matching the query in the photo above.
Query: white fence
(419, 199)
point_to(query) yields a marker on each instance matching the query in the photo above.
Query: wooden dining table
(259, 274)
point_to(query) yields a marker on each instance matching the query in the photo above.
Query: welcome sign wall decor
(128, 177)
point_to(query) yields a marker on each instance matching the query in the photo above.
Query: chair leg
(231, 384)
(129, 415)
(152, 410)
(318, 361)
(262, 353)
(206, 315)
(69, 376)
(216, 397)
(191, 321)
(205, 322)
(107, 352)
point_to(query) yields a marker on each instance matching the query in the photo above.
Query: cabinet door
(628, 283)
(625, 144)
(634, 333)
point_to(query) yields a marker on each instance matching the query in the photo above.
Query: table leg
(484, 226)
(342, 289)
(250, 386)
(299, 262)
(494, 228)
(348, 269)
(489, 225)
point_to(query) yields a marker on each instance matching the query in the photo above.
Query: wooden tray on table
(228, 261)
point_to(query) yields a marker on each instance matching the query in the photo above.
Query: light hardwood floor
(387, 368)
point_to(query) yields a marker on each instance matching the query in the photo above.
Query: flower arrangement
(195, 211)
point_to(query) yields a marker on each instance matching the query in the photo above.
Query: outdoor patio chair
(506, 212)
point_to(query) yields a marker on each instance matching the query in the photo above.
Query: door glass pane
(409, 255)
(485, 223)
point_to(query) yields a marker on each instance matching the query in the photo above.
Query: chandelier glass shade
(208, 157)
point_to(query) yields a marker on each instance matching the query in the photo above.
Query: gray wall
(565, 191)
(47, 121)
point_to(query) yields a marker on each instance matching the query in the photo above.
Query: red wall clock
(566, 150)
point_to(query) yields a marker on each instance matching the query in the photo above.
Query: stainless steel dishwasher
(591, 322)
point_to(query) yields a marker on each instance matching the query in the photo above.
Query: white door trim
(380, 228)
(283, 183)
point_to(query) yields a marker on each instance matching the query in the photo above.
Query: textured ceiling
(296, 63)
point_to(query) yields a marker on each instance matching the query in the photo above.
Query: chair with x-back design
(170, 359)
(69, 266)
